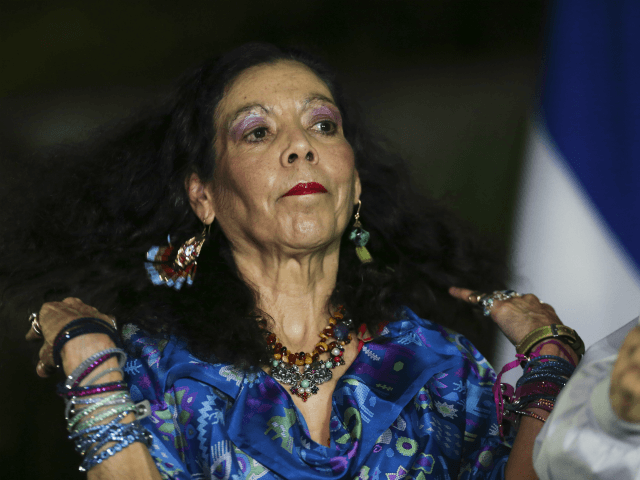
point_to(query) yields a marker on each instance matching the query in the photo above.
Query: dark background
(449, 82)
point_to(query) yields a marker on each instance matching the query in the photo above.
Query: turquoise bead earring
(360, 237)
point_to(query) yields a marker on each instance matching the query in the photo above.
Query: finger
(32, 336)
(548, 307)
(44, 371)
(464, 294)
(534, 304)
(82, 309)
(40, 370)
(531, 299)
(51, 306)
(72, 301)
(46, 357)
(534, 301)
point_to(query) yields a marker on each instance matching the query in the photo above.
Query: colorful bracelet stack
(95, 420)
(543, 378)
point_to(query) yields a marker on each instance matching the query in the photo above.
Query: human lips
(306, 189)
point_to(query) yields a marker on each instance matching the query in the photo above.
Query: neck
(294, 291)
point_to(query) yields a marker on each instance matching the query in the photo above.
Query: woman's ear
(358, 187)
(201, 198)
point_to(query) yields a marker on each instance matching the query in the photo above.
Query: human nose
(298, 147)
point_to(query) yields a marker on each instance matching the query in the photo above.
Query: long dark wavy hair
(94, 209)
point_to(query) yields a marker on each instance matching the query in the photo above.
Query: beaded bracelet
(93, 390)
(544, 372)
(84, 439)
(97, 377)
(544, 377)
(137, 436)
(92, 434)
(93, 362)
(548, 361)
(75, 420)
(542, 404)
(73, 402)
(80, 326)
(81, 390)
(121, 363)
(105, 415)
(89, 445)
(116, 399)
(90, 438)
(85, 443)
(539, 379)
(532, 415)
(538, 388)
(114, 434)
(128, 407)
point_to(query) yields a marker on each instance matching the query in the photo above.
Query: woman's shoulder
(437, 339)
(157, 362)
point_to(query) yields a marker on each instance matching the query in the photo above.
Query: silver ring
(477, 296)
(35, 323)
(488, 300)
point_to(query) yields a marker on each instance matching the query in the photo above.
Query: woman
(261, 150)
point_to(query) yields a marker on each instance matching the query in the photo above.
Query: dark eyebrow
(318, 97)
(244, 109)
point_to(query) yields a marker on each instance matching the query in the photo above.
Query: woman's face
(285, 178)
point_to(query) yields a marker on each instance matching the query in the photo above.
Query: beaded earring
(360, 237)
(171, 267)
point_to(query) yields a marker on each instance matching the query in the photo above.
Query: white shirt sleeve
(583, 438)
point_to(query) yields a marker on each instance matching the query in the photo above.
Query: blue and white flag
(577, 235)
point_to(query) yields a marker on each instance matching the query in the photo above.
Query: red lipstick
(306, 189)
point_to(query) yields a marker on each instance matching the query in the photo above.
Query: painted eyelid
(245, 125)
(326, 113)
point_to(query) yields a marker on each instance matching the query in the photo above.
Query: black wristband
(81, 326)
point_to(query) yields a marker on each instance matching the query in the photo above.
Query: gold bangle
(558, 332)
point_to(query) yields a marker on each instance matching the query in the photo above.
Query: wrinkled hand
(517, 316)
(53, 317)
(625, 379)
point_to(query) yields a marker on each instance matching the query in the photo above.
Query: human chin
(305, 231)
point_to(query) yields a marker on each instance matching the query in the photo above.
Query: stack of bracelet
(543, 376)
(94, 412)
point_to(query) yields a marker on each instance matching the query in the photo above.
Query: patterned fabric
(415, 404)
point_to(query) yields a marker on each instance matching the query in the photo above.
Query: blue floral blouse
(415, 404)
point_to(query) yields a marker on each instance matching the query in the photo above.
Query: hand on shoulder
(517, 316)
(51, 319)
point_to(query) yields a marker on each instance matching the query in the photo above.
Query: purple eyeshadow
(327, 112)
(247, 123)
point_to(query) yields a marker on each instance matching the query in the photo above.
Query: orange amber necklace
(304, 371)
